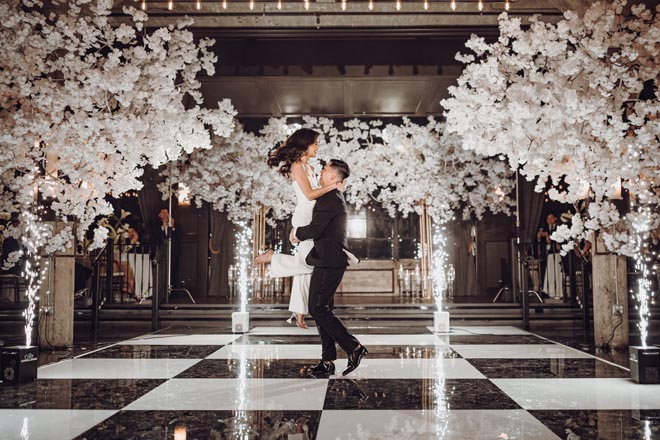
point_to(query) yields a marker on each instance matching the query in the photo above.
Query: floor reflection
(76, 393)
(602, 424)
(547, 368)
(415, 394)
(155, 352)
(189, 425)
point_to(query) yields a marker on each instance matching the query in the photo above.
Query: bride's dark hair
(291, 150)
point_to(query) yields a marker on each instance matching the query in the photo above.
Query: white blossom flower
(559, 100)
(94, 104)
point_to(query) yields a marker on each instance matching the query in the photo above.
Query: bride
(292, 161)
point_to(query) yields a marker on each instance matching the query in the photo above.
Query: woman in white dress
(292, 160)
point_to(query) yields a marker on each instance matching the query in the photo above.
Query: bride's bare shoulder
(297, 171)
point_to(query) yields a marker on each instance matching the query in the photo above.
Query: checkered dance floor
(475, 383)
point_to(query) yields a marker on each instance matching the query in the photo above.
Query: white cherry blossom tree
(560, 101)
(85, 105)
(396, 165)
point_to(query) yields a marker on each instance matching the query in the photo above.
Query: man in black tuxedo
(328, 230)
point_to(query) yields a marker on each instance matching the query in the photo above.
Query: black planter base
(645, 364)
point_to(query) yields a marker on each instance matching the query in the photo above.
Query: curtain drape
(466, 282)
(221, 253)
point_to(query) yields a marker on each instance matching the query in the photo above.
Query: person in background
(167, 229)
(552, 281)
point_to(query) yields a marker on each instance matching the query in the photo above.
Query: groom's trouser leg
(324, 283)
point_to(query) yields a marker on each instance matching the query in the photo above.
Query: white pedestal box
(441, 322)
(240, 322)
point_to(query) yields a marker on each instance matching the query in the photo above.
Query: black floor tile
(410, 330)
(76, 393)
(602, 424)
(278, 340)
(497, 339)
(546, 368)
(155, 352)
(256, 368)
(215, 425)
(407, 352)
(417, 394)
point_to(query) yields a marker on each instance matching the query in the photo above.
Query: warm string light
(507, 6)
(198, 5)
(343, 5)
(481, 5)
(279, 4)
(143, 6)
(426, 5)
(398, 5)
(453, 5)
(251, 5)
(170, 5)
(307, 5)
(224, 4)
(371, 5)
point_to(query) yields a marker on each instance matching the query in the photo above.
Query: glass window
(357, 224)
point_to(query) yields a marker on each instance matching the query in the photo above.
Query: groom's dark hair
(341, 168)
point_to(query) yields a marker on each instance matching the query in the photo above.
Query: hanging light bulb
(371, 5)
(426, 5)
(143, 6)
(198, 5)
(307, 5)
(453, 5)
(481, 5)
(343, 5)
(170, 5)
(224, 4)
(507, 6)
(251, 5)
(279, 4)
(398, 5)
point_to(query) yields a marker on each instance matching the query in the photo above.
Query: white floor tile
(580, 393)
(158, 339)
(455, 425)
(115, 368)
(286, 330)
(426, 339)
(268, 351)
(484, 330)
(48, 424)
(235, 394)
(411, 369)
(518, 351)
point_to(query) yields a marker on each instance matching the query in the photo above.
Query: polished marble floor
(473, 383)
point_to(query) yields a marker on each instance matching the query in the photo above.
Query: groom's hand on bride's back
(292, 236)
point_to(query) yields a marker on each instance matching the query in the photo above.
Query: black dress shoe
(354, 359)
(323, 368)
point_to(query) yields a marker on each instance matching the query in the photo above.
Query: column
(56, 317)
(609, 280)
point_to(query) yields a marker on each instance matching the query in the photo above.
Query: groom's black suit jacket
(328, 230)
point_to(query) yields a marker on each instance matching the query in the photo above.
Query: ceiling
(328, 62)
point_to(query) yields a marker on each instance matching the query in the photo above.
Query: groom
(328, 230)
